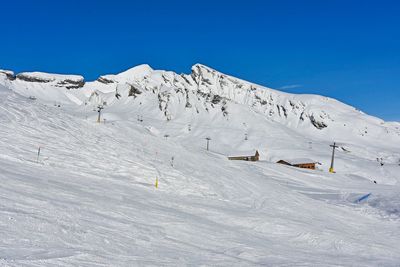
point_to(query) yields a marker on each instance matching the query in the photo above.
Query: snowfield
(90, 199)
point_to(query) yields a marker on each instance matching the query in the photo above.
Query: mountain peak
(137, 70)
(202, 70)
(132, 74)
(202, 66)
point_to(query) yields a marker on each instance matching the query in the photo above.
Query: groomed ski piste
(89, 198)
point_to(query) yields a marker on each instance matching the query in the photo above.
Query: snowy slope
(90, 199)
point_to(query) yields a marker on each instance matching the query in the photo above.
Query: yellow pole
(156, 185)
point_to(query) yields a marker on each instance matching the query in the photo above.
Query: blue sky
(349, 50)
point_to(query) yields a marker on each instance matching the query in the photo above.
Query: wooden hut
(299, 163)
(250, 156)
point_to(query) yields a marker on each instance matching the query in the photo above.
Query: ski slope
(90, 200)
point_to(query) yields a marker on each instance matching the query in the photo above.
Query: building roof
(299, 161)
(247, 153)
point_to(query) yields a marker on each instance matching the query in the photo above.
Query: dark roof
(299, 161)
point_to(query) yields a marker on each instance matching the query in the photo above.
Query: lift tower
(334, 146)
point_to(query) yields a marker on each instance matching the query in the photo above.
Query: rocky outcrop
(33, 79)
(70, 84)
(57, 80)
(220, 89)
(319, 124)
(9, 74)
(133, 91)
(104, 80)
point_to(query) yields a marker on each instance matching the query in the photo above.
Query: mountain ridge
(203, 90)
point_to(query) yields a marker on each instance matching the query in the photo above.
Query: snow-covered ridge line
(135, 73)
(8, 73)
(69, 81)
(200, 76)
(57, 80)
(204, 90)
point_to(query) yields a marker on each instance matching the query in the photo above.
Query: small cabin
(250, 156)
(299, 163)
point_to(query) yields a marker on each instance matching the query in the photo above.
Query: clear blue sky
(349, 50)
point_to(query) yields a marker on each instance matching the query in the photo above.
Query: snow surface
(90, 200)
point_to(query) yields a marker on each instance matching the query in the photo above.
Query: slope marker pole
(334, 146)
(208, 141)
(99, 108)
(38, 155)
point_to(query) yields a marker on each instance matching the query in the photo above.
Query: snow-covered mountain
(203, 91)
(89, 197)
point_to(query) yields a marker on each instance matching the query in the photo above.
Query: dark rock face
(318, 124)
(69, 84)
(216, 99)
(104, 80)
(9, 74)
(187, 105)
(23, 77)
(186, 79)
(133, 91)
(224, 109)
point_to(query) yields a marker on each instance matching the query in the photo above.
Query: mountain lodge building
(299, 163)
(255, 157)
